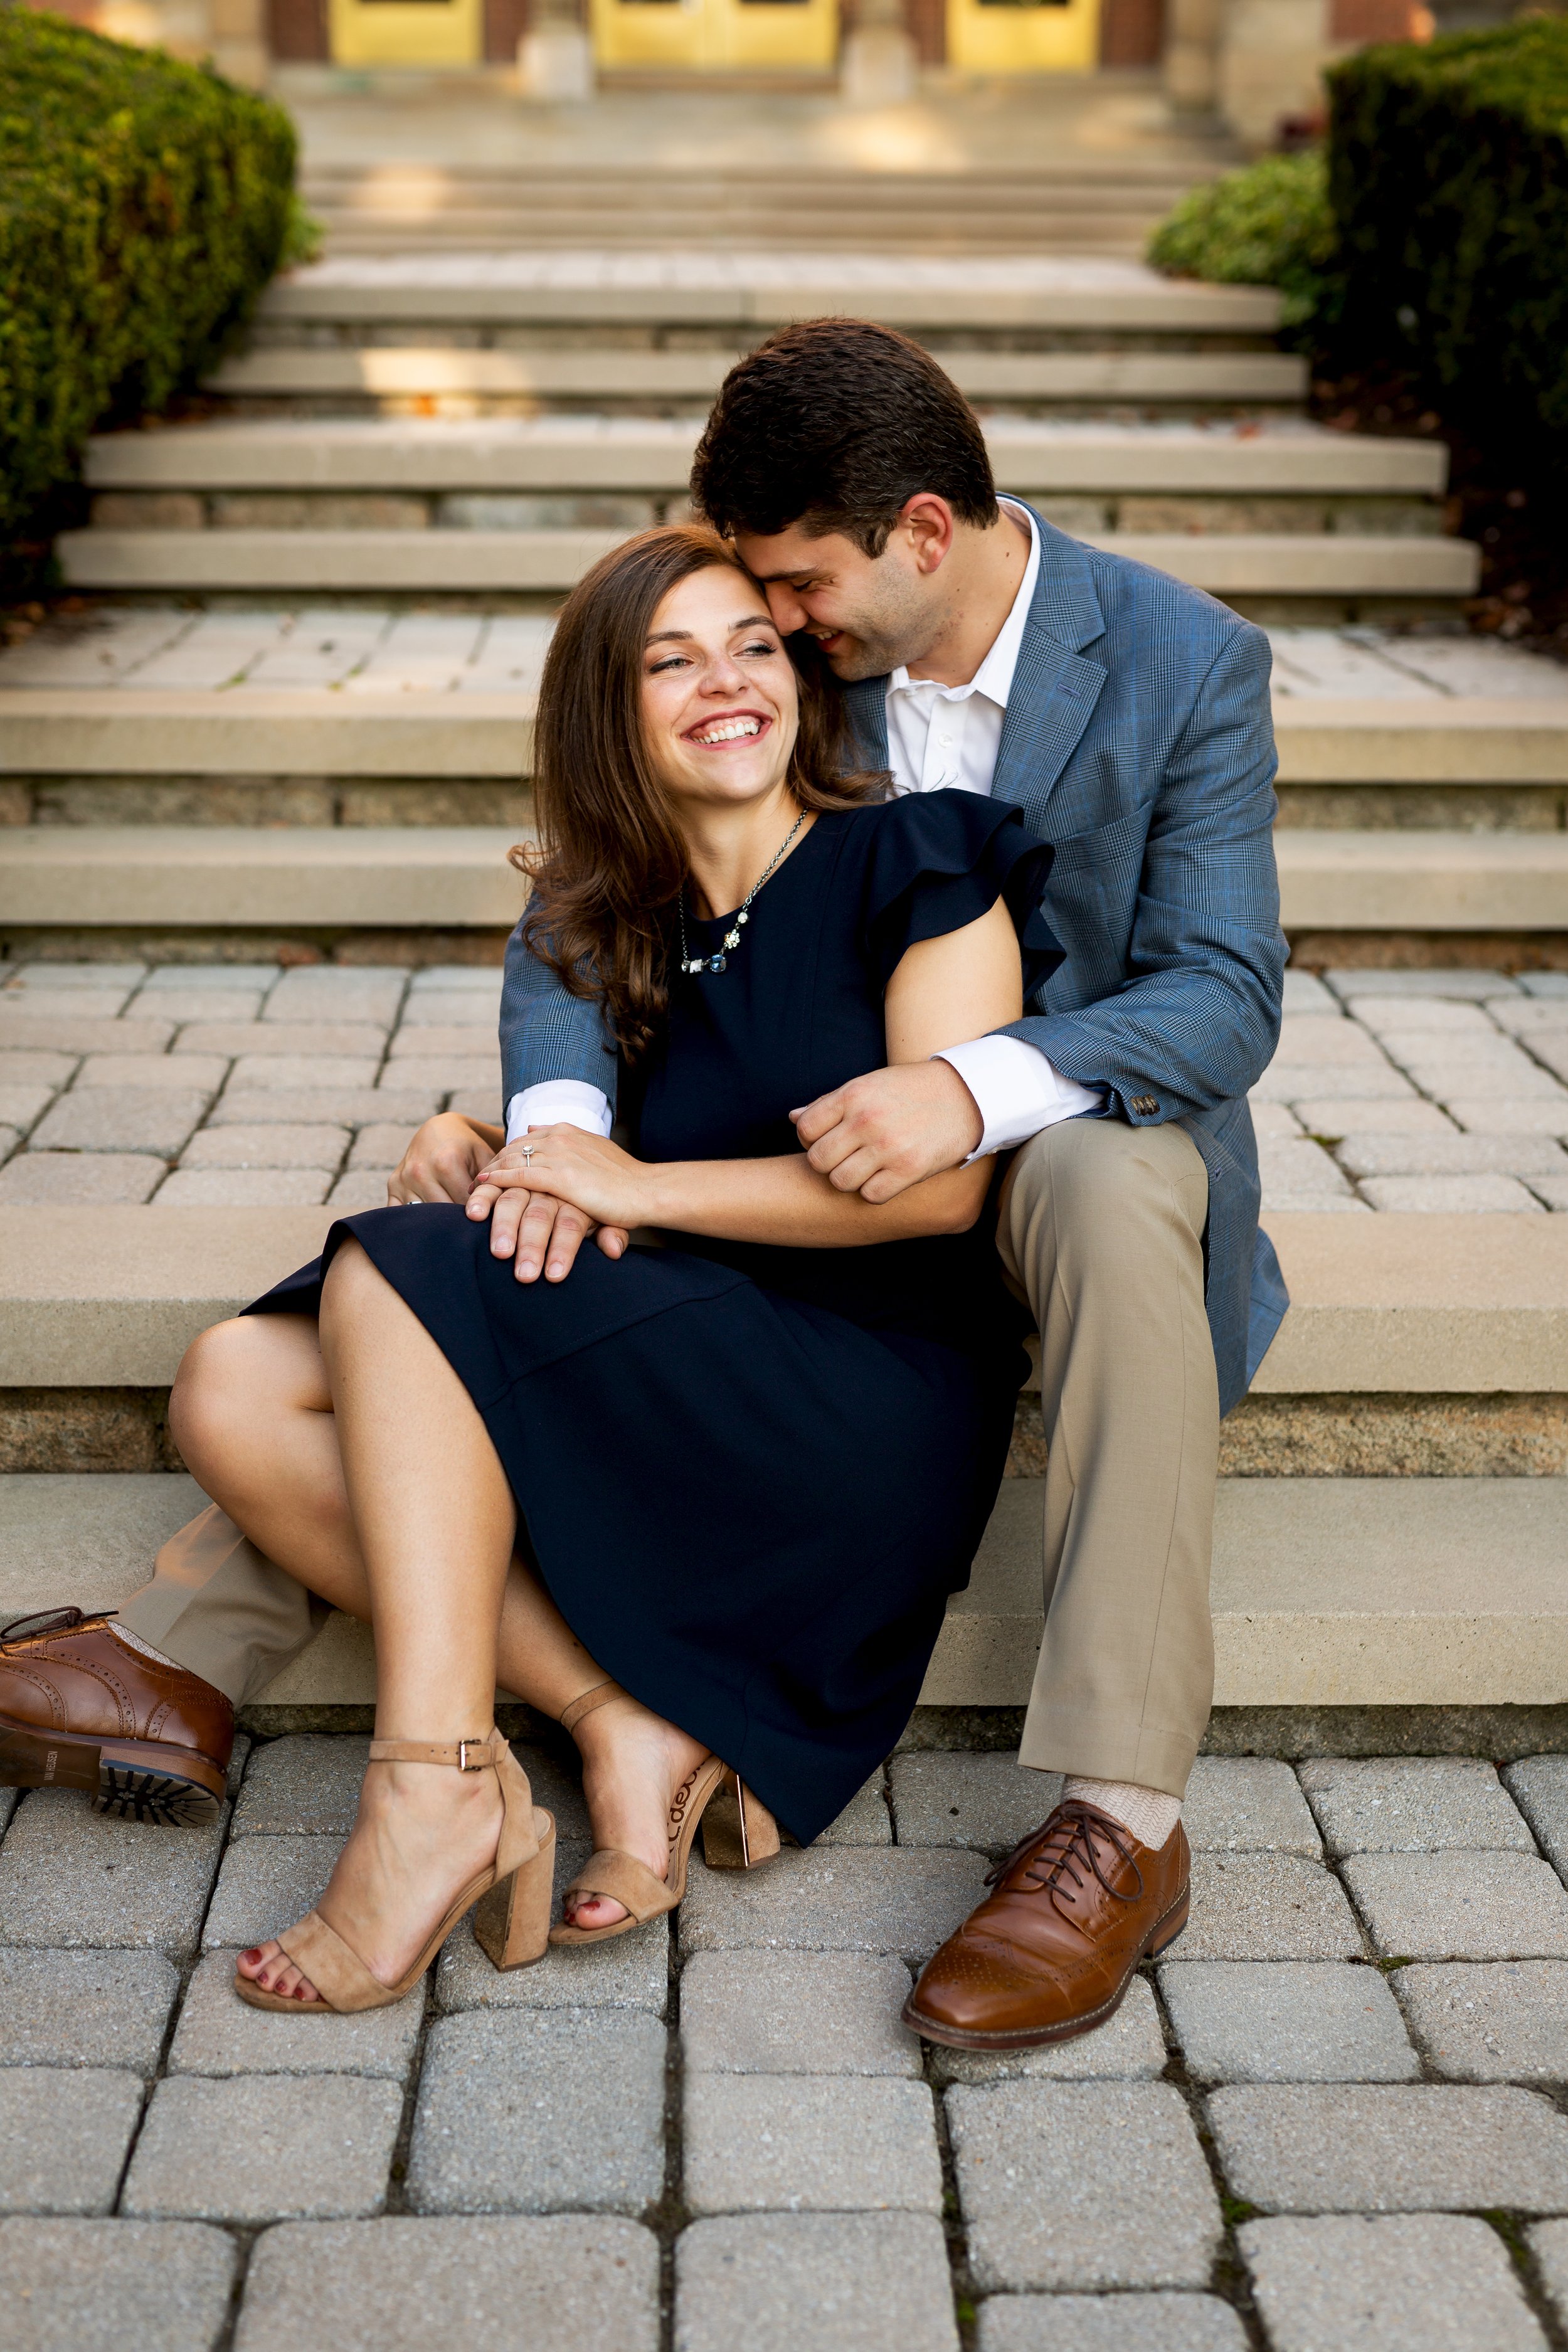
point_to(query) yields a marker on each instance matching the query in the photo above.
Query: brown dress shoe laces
(1065, 1845)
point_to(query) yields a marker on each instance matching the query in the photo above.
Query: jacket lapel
(1054, 689)
(867, 703)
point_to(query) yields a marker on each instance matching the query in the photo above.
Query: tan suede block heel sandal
(512, 1924)
(737, 1834)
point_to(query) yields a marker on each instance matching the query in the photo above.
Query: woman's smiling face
(720, 702)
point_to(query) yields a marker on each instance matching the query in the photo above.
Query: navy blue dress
(750, 1476)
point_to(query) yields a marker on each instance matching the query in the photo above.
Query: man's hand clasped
(891, 1128)
(452, 1159)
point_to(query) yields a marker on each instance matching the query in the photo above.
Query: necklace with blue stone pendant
(689, 963)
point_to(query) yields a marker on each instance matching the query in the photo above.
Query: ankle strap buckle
(473, 1755)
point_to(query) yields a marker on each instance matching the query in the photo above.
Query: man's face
(868, 613)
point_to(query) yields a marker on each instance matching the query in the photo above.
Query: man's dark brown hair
(835, 425)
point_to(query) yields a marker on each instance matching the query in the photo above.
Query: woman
(746, 1468)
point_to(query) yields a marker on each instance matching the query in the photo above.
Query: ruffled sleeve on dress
(936, 861)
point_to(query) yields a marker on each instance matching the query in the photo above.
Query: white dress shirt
(938, 737)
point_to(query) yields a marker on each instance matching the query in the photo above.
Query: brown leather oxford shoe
(1079, 1903)
(81, 1707)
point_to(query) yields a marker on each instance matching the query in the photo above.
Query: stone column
(555, 56)
(1191, 55)
(880, 66)
(1271, 58)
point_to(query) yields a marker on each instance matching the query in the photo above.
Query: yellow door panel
(1004, 36)
(713, 36)
(406, 32)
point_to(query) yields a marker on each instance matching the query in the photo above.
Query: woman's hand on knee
(442, 1161)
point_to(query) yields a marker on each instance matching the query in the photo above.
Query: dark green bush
(1448, 178)
(1267, 225)
(143, 205)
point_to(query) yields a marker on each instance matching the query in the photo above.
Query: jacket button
(1145, 1105)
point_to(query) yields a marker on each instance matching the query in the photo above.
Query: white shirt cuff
(560, 1102)
(1016, 1091)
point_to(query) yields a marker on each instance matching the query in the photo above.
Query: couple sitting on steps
(905, 899)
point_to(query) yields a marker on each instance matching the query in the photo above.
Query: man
(1128, 717)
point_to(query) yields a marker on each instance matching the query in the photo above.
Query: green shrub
(1448, 175)
(1269, 225)
(143, 205)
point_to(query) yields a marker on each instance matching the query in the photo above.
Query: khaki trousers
(1101, 1230)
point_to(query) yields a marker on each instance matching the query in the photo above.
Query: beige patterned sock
(1149, 1813)
(135, 1641)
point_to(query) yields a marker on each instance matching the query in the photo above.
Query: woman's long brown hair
(610, 858)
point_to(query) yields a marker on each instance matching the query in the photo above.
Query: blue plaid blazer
(1138, 740)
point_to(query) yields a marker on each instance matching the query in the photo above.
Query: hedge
(1269, 225)
(143, 205)
(1448, 181)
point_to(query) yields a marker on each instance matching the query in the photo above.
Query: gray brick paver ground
(630, 1971)
(81, 1180)
(1129, 2047)
(1395, 2283)
(123, 1119)
(1286, 2021)
(552, 2283)
(69, 1877)
(1266, 1907)
(865, 1819)
(304, 1785)
(85, 2009)
(1539, 1787)
(1549, 2244)
(795, 2014)
(942, 1797)
(267, 1147)
(1085, 2185)
(832, 2282)
(266, 1884)
(64, 2132)
(1391, 2147)
(106, 2286)
(1415, 1804)
(835, 1898)
(1248, 1804)
(540, 2112)
(1108, 2323)
(219, 2034)
(244, 1188)
(264, 2148)
(768, 2143)
(1503, 2021)
(1461, 1907)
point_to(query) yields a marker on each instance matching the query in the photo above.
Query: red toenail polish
(298, 1992)
(253, 1954)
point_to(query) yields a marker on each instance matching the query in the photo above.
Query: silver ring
(526, 1154)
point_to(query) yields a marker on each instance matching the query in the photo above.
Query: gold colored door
(406, 32)
(1010, 36)
(712, 35)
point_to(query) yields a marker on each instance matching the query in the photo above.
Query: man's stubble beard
(899, 630)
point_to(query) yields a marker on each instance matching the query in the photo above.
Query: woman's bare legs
(252, 1412)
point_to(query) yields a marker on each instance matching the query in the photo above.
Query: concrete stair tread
(381, 876)
(411, 371)
(1435, 1591)
(763, 288)
(1452, 1305)
(497, 454)
(545, 561)
(258, 731)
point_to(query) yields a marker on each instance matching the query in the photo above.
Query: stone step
(1327, 1592)
(408, 372)
(472, 735)
(1061, 218)
(404, 457)
(762, 291)
(1306, 568)
(1436, 1304)
(456, 876)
